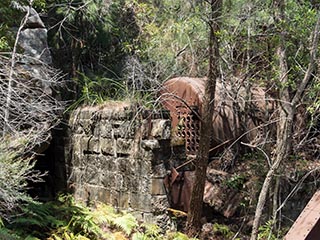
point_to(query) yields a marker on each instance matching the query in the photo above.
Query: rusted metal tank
(183, 96)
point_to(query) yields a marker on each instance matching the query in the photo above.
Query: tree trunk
(196, 202)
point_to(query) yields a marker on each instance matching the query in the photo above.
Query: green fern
(8, 234)
(223, 230)
(178, 236)
(151, 230)
(104, 214)
(266, 231)
(140, 236)
(126, 223)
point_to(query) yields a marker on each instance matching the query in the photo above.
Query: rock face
(119, 157)
(33, 40)
(33, 46)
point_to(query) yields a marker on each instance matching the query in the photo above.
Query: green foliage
(147, 231)
(10, 19)
(91, 37)
(98, 89)
(236, 181)
(222, 230)
(126, 222)
(16, 172)
(104, 214)
(172, 37)
(8, 234)
(65, 219)
(55, 219)
(179, 236)
(4, 45)
(266, 231)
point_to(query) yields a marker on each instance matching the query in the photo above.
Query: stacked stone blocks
(120, 156)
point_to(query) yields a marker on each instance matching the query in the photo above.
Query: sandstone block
(157, 187)
(150, 144)
(105, 129)
(110, 164)
(145, 128)
(107, 146)
(127, 166)
(144, 167)
(77, 129)
(124, 200)
(85, 114)
(93, 145)
(161, 129)
(77, 141)
(160, 204)
(76, 174)
(92, 174)
(104, 195)
(81, 194)
(77, 159)
(117, 111)
(135, 201)
(124, 146)
(148, 217)
(131, 183)
(159, 171)
(123, 129)
(115, 198)
(145, 184)
(105, 181)
(145, 200)
(106, 113)
(87, 126)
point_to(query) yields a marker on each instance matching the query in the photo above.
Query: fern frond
(126, 222)
(151, 230)
(179, 236)
(8, 234)
(104, 214)
(140, 236)
(119, 236)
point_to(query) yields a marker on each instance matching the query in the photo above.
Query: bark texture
(196, 202)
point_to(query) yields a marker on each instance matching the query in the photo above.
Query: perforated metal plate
(188, 127)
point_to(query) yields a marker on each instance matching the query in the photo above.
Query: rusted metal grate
(188, 127)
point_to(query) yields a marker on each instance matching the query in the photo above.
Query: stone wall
(119, 155)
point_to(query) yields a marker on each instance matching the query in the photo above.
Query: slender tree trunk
(287, 110)
(196, 202)
(284, 127)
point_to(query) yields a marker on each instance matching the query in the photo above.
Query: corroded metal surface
(182, 95)
(307, 225)
(188, 128)
(185, 92)
(179, 187)
(182, 92)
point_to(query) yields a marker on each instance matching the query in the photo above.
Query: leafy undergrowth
(66, 219)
